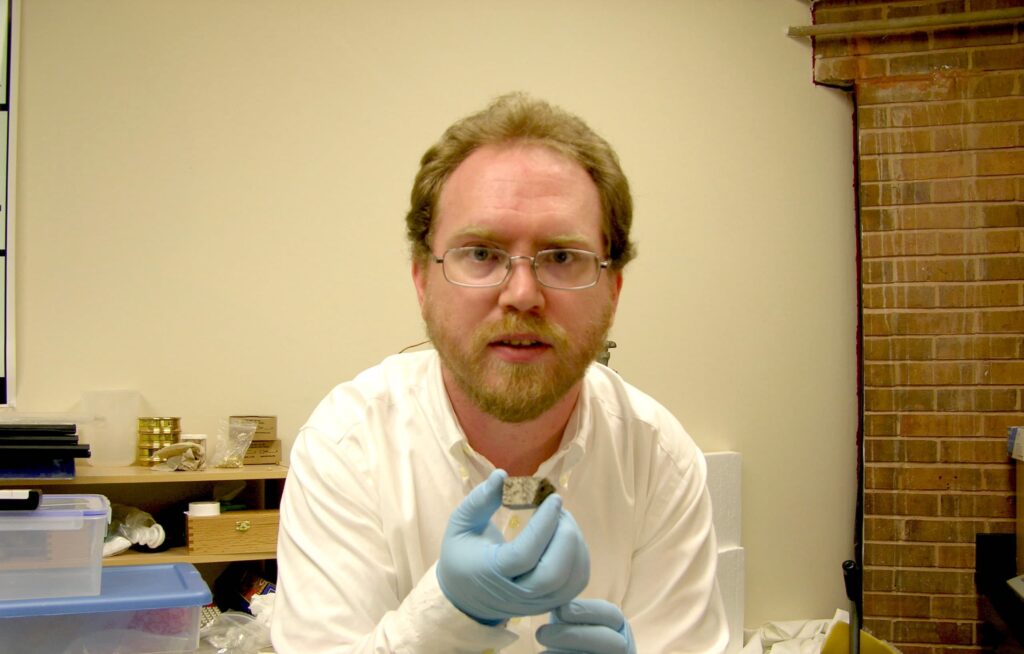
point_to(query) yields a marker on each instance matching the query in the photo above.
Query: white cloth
(381, 464)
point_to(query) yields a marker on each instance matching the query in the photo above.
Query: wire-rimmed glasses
(566, 269)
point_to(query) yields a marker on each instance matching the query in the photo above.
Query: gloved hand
(490, 580)
(589, 626)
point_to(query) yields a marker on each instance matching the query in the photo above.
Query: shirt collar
(453, 438)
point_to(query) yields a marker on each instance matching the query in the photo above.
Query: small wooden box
(234, 532)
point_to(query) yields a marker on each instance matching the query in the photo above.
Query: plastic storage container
(143, 609)
(55, 550)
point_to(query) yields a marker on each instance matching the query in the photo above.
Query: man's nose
(521, 290)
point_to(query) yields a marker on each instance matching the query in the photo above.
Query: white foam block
(724, 475)
(730, 577)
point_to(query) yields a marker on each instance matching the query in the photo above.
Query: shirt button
(464, 473)
(513, 522)
(564, 481)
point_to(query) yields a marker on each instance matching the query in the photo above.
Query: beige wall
(211, 193)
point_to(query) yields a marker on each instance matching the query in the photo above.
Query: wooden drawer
(234, 532)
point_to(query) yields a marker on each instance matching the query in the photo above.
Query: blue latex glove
(490, 580)
(587, 626)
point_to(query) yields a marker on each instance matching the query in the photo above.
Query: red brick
(824, 15)
(976, 399)
(956, 607)
(941, 86)
(940, 478)
(979, 347)
(880, 424)
(976, 450)
(1000, 162)
(930, 114)
(1000, 215)
(896, 605)
(906, 555)
(997, 110)
(1001, 322)
(907, 348)
(998, 58)
(972, 37)
(954, 555)
(916, 64)
(888, 399)
(994, 425)
(899, 297)
(878, 450)
(947, 582)
(1003, 373)
(879, 580)
(844, 71)
(977, 505)
(935, 425)
(917, 323)
(1001, 267)
(979, 295)
(973, 137)
(934, 631)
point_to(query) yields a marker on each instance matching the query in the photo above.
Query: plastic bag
(135, 525)
(234, 632)
(230, 443)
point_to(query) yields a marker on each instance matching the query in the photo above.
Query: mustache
(517, 323)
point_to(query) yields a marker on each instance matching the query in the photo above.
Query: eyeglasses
(559, 268)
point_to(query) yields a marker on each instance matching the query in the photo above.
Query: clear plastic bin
(55, 550)
(143, 609)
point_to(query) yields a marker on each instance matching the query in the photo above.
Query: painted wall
(210, 201)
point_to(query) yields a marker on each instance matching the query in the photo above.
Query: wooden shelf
(170, 487)
(86, 474)
(181, 555)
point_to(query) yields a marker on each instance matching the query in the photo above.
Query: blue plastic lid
(126, 588)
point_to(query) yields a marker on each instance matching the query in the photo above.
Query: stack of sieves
(155, 434)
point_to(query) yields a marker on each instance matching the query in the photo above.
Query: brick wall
(940, 163)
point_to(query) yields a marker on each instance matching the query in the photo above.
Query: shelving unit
(152, 489)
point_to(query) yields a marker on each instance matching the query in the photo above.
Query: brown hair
(518, 117)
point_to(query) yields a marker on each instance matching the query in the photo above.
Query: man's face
(514, 350)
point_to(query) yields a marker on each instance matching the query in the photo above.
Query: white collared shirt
(381, 464)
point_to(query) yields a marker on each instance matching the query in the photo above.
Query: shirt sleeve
(337, 590)
(673, 601)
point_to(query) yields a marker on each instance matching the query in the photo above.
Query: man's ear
(419, 278)
(616, 289)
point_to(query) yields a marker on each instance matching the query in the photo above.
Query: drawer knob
(242, 525)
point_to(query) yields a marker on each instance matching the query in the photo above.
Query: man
(393, 537)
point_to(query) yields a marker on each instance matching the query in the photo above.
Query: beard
(511, 391)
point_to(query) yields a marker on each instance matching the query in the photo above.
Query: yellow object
(837, 641)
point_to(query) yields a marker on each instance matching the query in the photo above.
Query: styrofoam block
(724, 476)
(731, 577)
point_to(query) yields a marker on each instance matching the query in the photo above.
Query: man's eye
(480, 254)
(561, 256)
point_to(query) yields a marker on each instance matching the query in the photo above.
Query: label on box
(263, 452)
(266, 426)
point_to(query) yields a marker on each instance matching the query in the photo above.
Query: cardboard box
(263, 452)
(266, 427)
(234, 532)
